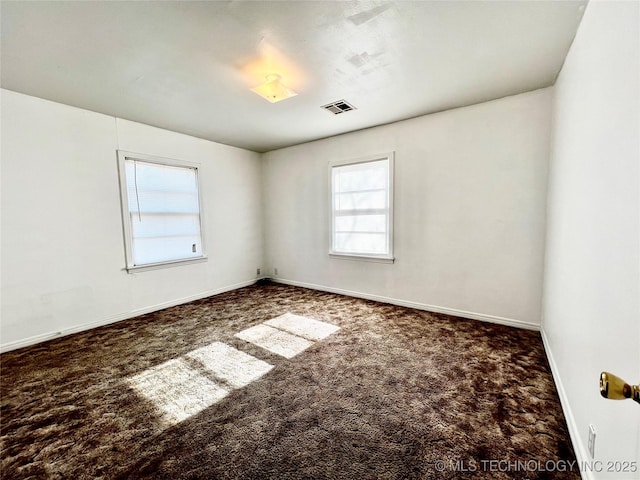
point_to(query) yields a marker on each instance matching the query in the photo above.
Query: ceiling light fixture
(273, 89)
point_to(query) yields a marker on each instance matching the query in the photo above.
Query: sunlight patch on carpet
(276, 341)
(177, 389)
(303, 326)
(229, 364)
(185, 386)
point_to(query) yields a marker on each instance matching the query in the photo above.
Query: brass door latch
(615, 388)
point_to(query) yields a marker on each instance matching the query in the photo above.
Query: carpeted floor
(394, 393)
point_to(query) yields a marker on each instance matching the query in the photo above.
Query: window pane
(365, 200)
(361, 176)
(155, 202)
(375, 243)
(153, 176)
(148, 226)
(360, 208)
(164, 212)
(361, 223)
(162, 249)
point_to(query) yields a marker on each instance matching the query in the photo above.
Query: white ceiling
(188, 66)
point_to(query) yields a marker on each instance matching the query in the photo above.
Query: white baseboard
(6, 347)
(576, 439)
(419, 306)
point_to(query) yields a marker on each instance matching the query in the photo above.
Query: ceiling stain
(359, 60)
(364, 17)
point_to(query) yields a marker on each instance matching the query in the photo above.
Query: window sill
(363, 258)
(157, 266)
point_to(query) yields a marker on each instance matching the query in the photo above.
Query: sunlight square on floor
(303, 326)
(276, 341)
(177, 389)
(234, 367)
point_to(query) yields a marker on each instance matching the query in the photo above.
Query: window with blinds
(161, 211)
(361, 206)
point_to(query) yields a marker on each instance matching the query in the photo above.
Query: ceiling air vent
(338, 107)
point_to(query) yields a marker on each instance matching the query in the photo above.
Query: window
(362, 208)
(160, 211)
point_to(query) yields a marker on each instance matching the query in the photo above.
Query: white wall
(62, 244)
(470, 192)
(592, 280)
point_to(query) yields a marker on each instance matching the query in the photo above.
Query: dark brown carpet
(391, 395)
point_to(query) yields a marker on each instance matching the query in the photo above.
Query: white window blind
(162, 212)
(361, 196)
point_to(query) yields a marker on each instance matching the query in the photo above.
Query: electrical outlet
(592, 440)
(257, 271)
(275, 271)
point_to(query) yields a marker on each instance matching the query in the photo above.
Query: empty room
(320, 239)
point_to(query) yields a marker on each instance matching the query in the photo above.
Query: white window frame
(131, 267)
(380, 258)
